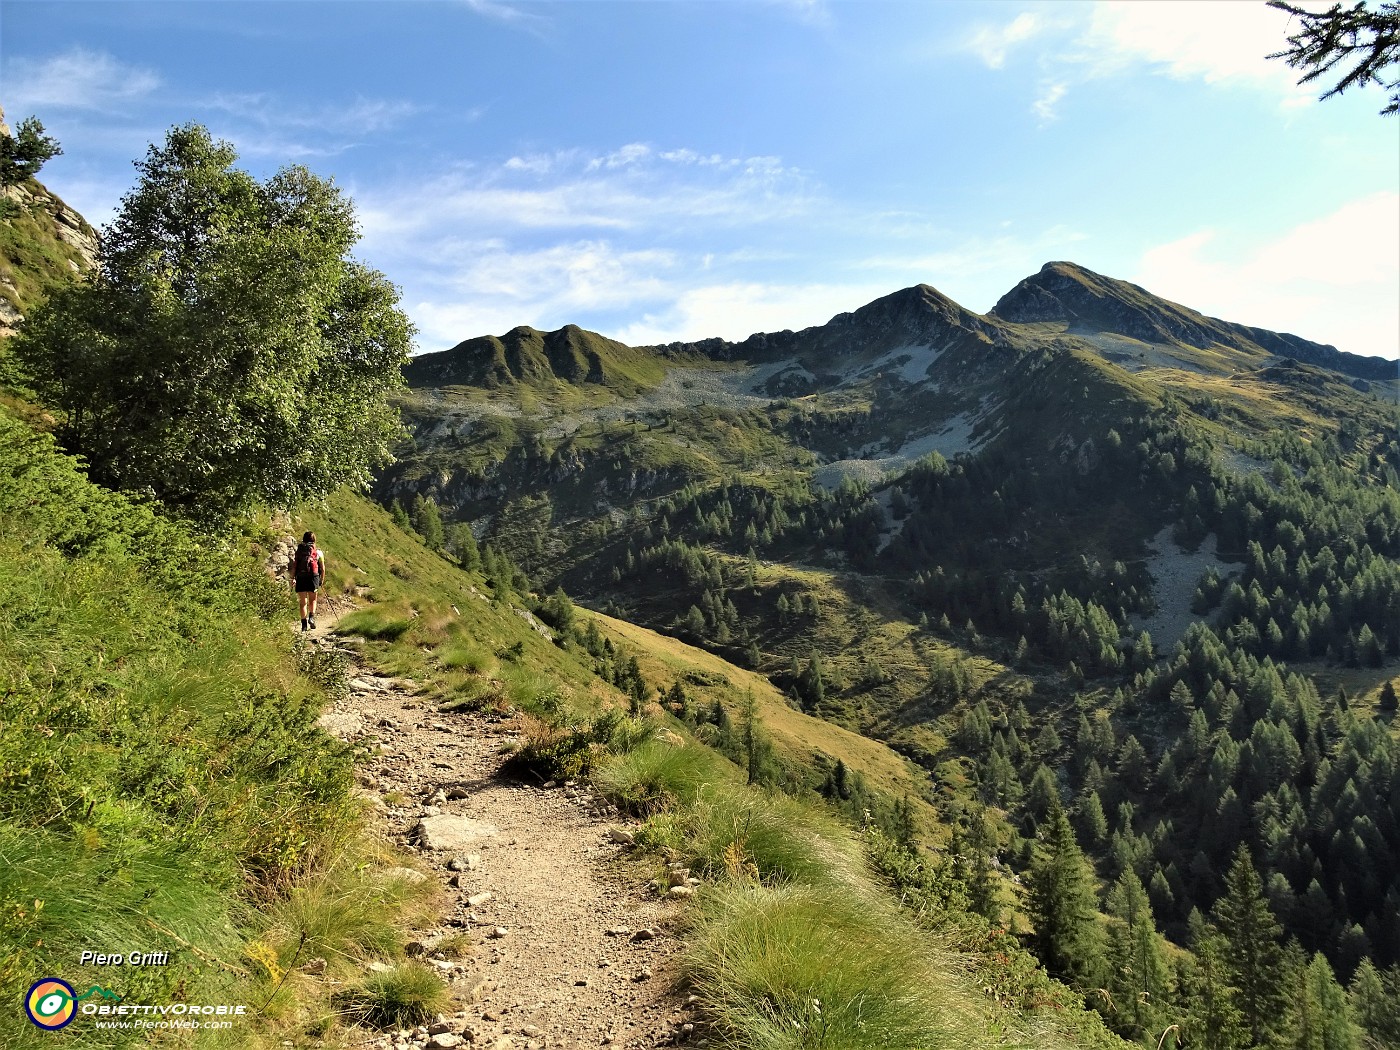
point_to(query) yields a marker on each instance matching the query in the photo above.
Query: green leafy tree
(1063, 905)
(1365, 39)
(25, 152)
(227, 350)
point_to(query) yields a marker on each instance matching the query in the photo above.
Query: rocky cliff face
(43, 243)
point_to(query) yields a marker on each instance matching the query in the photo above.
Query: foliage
(163, 781)
(1365, 39)
(227, 350)
(25, 152)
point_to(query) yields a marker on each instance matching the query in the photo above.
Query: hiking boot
(303, 623)
(312, 623)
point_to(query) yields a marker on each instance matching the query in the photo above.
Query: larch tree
(1063, 905)
(1252, 950)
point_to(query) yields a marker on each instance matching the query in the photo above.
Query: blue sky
(670, 170)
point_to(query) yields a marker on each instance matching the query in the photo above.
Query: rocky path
(549, 934)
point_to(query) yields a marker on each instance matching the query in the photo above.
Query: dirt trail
(565, 943)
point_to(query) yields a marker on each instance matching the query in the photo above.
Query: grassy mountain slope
(165, 785)
(771, 861)
(949, 532)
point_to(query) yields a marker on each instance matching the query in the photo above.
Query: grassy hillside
(165, 785)
(767, 973)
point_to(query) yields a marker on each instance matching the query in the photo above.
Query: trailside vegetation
(228, 350)
(163, 782)
(25, 152)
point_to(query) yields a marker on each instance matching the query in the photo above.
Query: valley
(1091, 551)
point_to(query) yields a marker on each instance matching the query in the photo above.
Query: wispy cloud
(1326, 279)
(992, 43)
(815, 13)
(630, 188)
(76, 79)
(1050, 95)
(508, 14)
(362, 115)
(735, 310)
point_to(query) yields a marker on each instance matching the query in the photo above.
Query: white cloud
(814, 13)
(507, 14)
(1220, 43)
(1331, 280)
(626, 189)
(1050, 95)
(475, 288)
(992, 43)
(76, 79)
(360, 115)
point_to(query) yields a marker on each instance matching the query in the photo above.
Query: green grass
(164, 785)
(801, 966)
(658, 775)
(400, 997)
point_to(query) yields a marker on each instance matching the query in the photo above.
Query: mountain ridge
(1088, 304)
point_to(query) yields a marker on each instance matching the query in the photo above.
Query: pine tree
(1375, 1004)
(1062, 904)
(1388, 701)
(427, 521)
(1252, 950)
(1212, 1020)
(1138, 969)
(1322, 1016)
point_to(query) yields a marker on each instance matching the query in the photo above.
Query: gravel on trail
(554, 935)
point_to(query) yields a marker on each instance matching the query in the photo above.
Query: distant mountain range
(1063, 299)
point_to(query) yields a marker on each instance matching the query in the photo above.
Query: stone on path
(444, 831)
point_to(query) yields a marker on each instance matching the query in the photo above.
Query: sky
(659, 170)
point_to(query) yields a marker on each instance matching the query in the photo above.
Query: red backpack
(308, 560)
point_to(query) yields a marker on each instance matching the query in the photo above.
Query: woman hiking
(308, 569)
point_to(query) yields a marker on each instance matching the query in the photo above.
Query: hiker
(308, 569)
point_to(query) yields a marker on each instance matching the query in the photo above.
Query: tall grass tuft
(798, 967)
(400, 997)
(656, 775)
(775, 837)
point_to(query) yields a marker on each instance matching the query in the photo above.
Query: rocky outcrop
(43, 228)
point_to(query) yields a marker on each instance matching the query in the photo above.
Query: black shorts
(308, 584)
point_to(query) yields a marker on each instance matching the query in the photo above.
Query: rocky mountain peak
(1067, 292)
